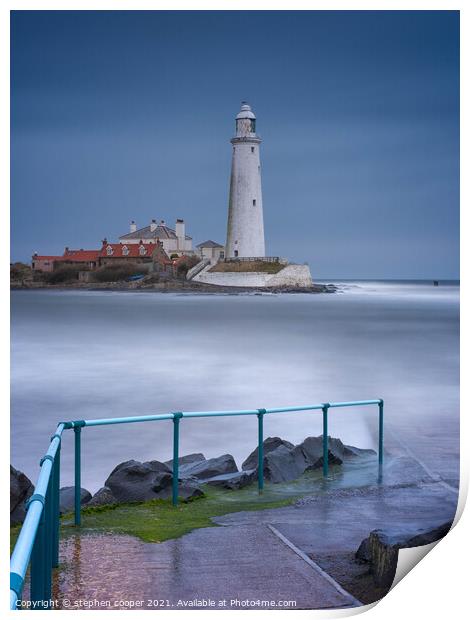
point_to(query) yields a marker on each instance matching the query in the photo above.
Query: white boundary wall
(291, 275)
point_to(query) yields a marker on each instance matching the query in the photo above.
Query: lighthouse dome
(245, 111)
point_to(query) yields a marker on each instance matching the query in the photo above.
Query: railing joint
(46, 457)
(177, 415)
(16, 583)
(56, 436)
(78, 424)
(35, 497)
(67, 425)
(261, 412)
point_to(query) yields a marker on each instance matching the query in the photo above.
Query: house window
(142, 250)
(236, 253)
(125, 250)
(254, 202)
(109, 250)
(222, 255)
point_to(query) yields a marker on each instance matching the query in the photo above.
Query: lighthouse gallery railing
(38, 540)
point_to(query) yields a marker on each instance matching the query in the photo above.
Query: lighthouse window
(252, 149)
(253, 126)
(254, 202)
(236, 253)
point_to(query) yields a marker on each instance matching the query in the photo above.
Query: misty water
(92, 354)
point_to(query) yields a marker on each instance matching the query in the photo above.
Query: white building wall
(291, 276)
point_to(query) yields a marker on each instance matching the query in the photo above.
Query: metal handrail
(38, 540)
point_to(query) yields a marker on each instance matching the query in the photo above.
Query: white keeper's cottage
(174, 240)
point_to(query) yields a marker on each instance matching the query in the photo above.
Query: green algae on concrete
(158, 520)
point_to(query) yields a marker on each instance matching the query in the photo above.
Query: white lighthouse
(245, 228)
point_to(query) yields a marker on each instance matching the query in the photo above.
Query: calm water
(79, 355)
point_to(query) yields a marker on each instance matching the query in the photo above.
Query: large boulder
(188, 458)
(202, 470)
(236, 480)
(284, 462)
(133, 481)
(21, 489)
(67, 498)
(380, 549)
(269, 444)
(103, 497)
(312, 449)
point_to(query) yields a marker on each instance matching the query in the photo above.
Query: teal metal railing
(38, 540)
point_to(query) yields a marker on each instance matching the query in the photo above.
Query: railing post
(325, 408)
(77, 431)
(48, 537)
(37, 594)
(176, 440)
(56, 509)
(260, 414)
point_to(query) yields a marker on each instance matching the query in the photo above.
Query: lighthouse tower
(245, 228)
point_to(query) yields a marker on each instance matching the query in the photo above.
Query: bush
(185, 264)
(19, 271)
(61, 275)
(116, 273)
(173, 256)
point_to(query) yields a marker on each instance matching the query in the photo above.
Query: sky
(128, 115)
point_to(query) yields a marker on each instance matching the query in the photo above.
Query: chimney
(180, 234)
(162, 223)
(153, 225)
(104, 242)
(133, 226)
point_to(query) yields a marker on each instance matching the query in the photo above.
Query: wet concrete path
(234, 567)
(258, 559)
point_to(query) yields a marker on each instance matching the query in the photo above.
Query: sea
(79, 354)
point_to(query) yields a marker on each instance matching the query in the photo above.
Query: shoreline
(181, 286)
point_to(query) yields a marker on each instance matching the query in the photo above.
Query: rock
(236, 480)
(67, 498)
(312, 449)
(283, 464)
(133, 481)
(351, 451)
(21, 489)
(188, 458)
(362, 555)
(269, 444)
(201, 470)
(381, 548)
(102, 497)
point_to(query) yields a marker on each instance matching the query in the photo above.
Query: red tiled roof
(81, 256)
(133, 250)
(37, 257)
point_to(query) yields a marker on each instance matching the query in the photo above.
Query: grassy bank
(257, 266)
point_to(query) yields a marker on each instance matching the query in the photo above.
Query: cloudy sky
(128, 115)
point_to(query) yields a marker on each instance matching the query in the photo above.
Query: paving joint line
(354, 601)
